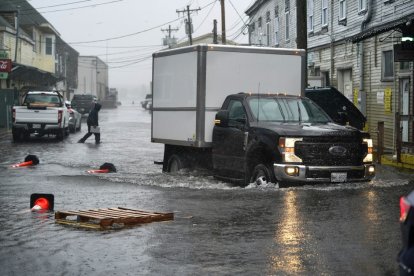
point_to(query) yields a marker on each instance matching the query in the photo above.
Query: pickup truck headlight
(287, 147)
(369, 157)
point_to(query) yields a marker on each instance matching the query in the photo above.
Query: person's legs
(97, 138)
(87, 135)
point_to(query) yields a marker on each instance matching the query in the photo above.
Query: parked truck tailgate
(46, 116)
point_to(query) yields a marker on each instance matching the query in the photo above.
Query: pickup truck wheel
(16, 135)
(175, 163)
(262, 174)
(60, 134)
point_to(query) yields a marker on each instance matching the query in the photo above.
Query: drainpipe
(366, 19)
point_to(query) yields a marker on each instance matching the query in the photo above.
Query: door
(404, 108)
(229, 151)
(8, 97)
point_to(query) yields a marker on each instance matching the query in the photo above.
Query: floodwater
(219, 228)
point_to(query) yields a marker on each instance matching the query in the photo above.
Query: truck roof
(244, 95)
(44, 92)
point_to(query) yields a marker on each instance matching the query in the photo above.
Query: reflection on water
(289, 235)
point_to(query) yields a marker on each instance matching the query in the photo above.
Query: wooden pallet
(114, 218)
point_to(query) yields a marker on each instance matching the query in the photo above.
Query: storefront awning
(399, 24)
(30, 74)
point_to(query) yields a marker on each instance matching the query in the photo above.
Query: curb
(5, 134)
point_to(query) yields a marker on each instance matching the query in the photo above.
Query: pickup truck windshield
(42, 100)
(287, 110)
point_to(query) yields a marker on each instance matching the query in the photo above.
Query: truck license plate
(37, 126)
(338, 177)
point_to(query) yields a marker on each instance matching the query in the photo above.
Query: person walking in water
(92, 121)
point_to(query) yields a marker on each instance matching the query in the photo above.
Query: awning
(399, 24)
(31, 74)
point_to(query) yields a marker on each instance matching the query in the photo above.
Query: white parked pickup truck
(42, 112)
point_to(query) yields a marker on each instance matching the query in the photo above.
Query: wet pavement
(219, 229)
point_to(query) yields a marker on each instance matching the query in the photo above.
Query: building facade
(351, 47)
(92, 77)
(34, 48)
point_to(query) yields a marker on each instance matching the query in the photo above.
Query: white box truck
(202, 111)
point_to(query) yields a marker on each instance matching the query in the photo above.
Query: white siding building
(350, 46)
(92, 76)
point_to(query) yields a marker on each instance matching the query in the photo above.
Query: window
(276, 31)
(310, 15)
(49, 46)
(324, 12)
(268, 34)
(34, 37)
(405, 65)
(342, 9)
(276, 11)
(259, 22)
(287, 22)
(236, 111)
(387, 65)
(268, 16)
(287, 5)
(362, 5)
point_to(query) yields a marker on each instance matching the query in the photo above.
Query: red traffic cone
(104, 168)
(41, 202)
(23, 164)
(98, 171)
(28, 161)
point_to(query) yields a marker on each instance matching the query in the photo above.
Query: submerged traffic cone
(104, 168)
(28, 161)
(42, 202)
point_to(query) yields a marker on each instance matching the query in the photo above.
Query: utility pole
(223, 23)
(169, 40)
(215, 32)
(189, 28)
(302, 33)
(17, 32)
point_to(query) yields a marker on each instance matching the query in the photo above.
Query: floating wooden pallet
(109, 218)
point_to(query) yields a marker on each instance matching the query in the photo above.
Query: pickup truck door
(229, 142)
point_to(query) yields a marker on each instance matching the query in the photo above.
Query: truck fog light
(292, 171)
(371, 169)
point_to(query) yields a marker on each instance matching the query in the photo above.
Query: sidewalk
(407, 161)
(5, 134)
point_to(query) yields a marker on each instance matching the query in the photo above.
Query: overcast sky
(129, 31)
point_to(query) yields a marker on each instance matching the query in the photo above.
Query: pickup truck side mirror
(222, 118)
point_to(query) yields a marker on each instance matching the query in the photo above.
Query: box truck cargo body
(191, 83)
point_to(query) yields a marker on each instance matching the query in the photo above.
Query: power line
(123, 36)
(77, 8)
(64, 4)
(202, 22)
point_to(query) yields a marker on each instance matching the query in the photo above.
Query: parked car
(144, 103)
(42, 112)
(83, 102)
(75, 118)
(337, 106)
(406, 255)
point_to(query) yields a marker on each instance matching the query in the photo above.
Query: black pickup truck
(286, 139)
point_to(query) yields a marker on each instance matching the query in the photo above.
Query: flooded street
(219, 228)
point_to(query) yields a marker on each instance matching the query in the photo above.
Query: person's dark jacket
(93, 115)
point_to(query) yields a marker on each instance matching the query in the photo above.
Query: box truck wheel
(262, 174)
(175, 163)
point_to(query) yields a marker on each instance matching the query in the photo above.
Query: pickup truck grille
(331, 151)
